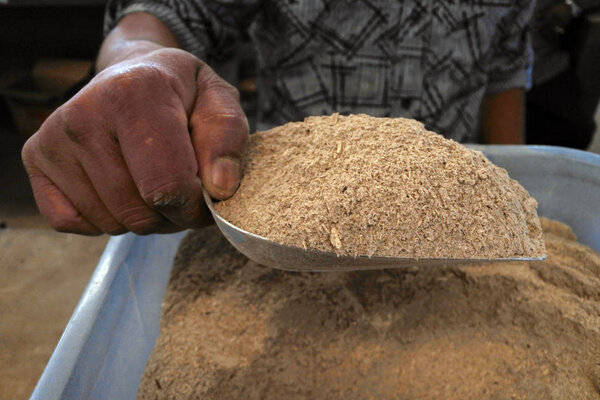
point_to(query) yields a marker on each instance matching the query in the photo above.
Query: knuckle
(65, 223)
(138, 77)
(167, 194)
(229, 130)
(28, 153)
(218, 84)
(139, 219)
(224, 117)
(156, 75)
(208, 80)
(108, 224)
(227, 88)
(235, 93)
(43, 145)
(171, 80)
(47, 147)
(72, 120)
(128, 94)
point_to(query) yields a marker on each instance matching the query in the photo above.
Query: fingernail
(226, 174)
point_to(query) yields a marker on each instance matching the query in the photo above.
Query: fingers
(67, 176)
(61, 214)
(118, 156)
(152, 131)
(85, 186)
(219, 132)
(53, 204)
(119, 193)
(78, 189)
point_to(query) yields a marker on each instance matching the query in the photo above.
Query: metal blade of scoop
(275, 255)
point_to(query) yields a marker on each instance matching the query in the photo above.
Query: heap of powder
(232, 329)
(360, 185)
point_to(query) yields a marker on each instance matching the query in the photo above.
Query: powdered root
(234, 330)
(360, 185)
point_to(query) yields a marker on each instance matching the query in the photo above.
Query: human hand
(132, 150)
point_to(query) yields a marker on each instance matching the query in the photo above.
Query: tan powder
(360, 185)
(232, 329)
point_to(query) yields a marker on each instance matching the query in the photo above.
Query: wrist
(114, 53)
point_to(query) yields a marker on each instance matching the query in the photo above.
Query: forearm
(503, 117)
(136, 35)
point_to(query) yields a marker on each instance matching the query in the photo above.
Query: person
(561, 104)
(133, 149)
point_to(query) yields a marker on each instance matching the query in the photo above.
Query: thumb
(219, 130)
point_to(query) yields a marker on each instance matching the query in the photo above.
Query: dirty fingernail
(226, 174)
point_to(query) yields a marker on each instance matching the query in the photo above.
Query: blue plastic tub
(103, 350)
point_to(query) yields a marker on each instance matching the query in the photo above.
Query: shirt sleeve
(209, 29)
(513, 54)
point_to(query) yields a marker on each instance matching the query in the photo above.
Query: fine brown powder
(232, 329)
(360, 185)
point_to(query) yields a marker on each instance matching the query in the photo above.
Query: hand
(132, 150)
(553, 21)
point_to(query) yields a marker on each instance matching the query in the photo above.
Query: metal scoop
(291, 258)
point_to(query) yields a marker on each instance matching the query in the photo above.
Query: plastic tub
(103, 350)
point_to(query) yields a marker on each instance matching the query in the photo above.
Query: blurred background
(47, 49)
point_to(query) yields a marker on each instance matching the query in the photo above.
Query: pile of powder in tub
(357, 185)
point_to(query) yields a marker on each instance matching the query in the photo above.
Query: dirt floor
(43, 275)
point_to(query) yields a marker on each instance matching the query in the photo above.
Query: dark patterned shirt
(430, 60)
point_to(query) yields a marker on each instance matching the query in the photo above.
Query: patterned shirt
(433, 60)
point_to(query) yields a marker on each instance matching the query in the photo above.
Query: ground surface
(43, 275)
